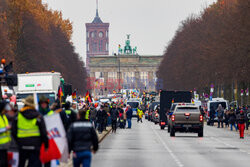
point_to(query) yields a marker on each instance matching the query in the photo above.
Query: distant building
(97, 42)
(126, 70)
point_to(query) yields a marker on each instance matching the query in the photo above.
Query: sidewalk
(100, 138)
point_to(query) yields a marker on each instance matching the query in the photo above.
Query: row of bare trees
(37, 39)
(211, 48)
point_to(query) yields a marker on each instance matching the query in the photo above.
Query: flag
(13, 159)
(74, 95)
(88, 97)
(60, 93)
(57, 137)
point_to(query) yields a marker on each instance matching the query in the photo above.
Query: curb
(103, 136)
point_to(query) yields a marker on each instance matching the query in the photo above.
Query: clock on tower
(97, 42)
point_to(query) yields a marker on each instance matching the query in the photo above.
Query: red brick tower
(97, 42)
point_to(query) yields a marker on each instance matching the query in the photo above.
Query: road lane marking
(229, 145)
(226, 144)
(178, 162)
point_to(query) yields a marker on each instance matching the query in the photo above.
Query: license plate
(187, 126)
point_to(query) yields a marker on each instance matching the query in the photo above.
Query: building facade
(126, 70)
(97, 38)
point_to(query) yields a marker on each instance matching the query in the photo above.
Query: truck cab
(38, 85)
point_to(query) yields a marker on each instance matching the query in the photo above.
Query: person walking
(29, 130)
(139, 114)
(226, 118)
(81, 138)
(241, 123)
(101, 115)
(5, 137)
(92, 115)
(45, 110)
(71, 115)
(107, 111)
(114, 114)
(129, 114)
(212, 115)
(220, 115)
(232, 119)
(121, 117)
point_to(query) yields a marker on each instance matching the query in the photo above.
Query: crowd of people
(24, 131)
(238, 118)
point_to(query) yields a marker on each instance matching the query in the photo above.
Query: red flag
(74, 95)
(60, 93)
(51, 153)
(87, 97)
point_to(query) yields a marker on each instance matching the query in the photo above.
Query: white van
(215, 103)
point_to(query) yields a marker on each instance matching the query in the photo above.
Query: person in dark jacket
(114, 114)
(101, 116)
(241, 123)
(212, 115)
(56, 107)
(29, 131)
(92, 115)
(129, 114)
(220, 115)
(232, 119)
(45, 110)
(71, 115)
(44, 106)
(81, 137)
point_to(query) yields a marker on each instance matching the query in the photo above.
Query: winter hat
(43, 99)
(29, 101)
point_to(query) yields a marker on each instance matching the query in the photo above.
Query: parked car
(151, 109)
(155, 115)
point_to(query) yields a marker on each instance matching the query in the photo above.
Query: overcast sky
(151, 23)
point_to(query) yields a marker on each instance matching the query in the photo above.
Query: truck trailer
(169, 97)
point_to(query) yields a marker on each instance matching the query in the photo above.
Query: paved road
(146, 146)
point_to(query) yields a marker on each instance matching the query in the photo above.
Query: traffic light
(11, 79)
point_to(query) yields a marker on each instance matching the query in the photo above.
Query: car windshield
(154, 104)
(23, 96)
(187, 109)
(133, 104)
(216, 104)
(50, 96)
(173, 107)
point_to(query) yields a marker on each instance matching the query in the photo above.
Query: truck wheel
(172, 132)
(200, 133)
(162, 127)
(168, 128)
